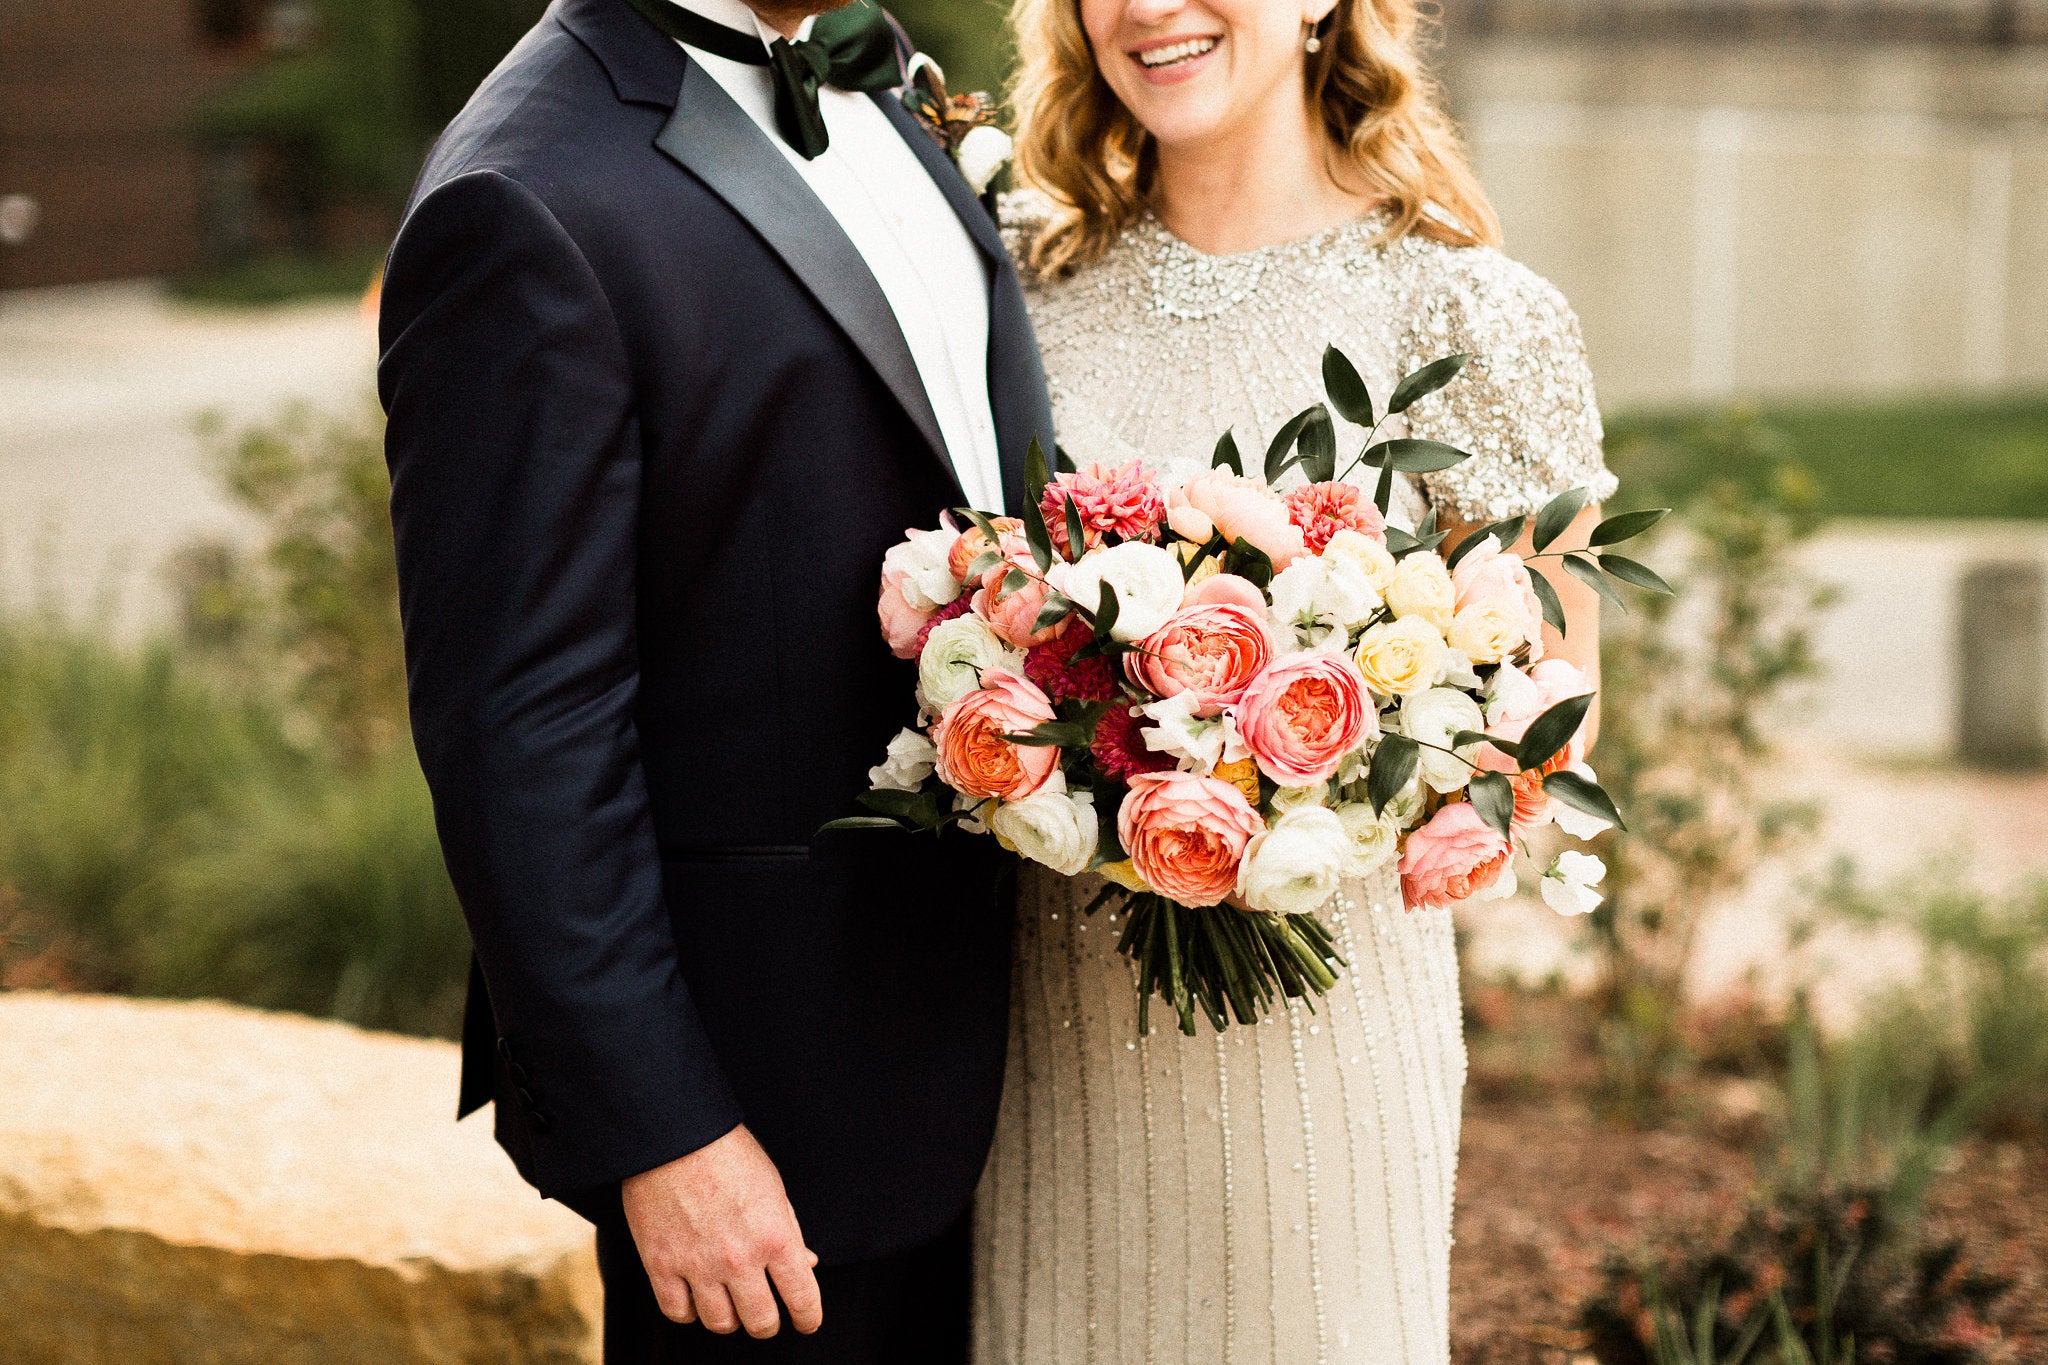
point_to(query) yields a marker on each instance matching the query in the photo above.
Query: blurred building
(1773, 196)
(97, 104)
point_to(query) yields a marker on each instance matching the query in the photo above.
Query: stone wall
(198, 1184)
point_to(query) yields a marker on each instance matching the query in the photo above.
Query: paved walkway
(101, 474)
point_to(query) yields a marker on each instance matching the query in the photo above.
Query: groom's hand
(714, 1228)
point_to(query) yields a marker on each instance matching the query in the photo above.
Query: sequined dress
(1281, 1193)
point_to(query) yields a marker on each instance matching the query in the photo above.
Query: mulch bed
(1546, 1188)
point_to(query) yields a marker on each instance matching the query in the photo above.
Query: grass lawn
(1964, 457)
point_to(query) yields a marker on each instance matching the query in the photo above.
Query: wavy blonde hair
(1079, 146)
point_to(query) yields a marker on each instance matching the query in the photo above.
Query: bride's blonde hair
(1081, 147)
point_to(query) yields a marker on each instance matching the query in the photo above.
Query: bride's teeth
(1179, 52)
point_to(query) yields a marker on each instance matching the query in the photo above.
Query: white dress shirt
(935, 279)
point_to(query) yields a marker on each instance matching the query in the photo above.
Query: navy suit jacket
(652, 427)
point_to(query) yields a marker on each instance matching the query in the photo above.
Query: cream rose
(956, 654)
(1421, 587)
(1294, 867)
(1148, 584)
(1486, 632)
(1432, 718)
(1374, 838)
(1057, 829)
(1371, 556)
(1399, 658)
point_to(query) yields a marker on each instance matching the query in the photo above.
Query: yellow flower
(1421, 586)
(1400, 658)
(1243, 775)
(1124, 874)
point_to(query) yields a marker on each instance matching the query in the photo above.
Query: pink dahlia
(1321, 510)
(1051, 665)
(959, 606)
(1124, 501)
(1119, 747)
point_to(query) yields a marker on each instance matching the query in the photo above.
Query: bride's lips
(1183, 69)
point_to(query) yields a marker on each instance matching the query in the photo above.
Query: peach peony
(1323, 509)
(1124, 502)
(1225, 587)
(1211, 651)
(973, 544)
(1302, 715)
(973, 756)
(1240, 508)
(1186, 834)
(1014, 616)
(1452, 857)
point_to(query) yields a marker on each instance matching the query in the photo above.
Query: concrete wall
(1754, 218)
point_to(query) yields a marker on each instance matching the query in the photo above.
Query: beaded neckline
(1193, 284)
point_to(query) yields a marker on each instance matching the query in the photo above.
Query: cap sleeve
(1523, 407)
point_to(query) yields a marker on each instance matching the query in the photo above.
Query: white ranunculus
(1374, 838)
(909, 762)
(983, 152)
(1055, 828)
(1568, 885)
(1316, 599)
(956, 654)
(928, 583)
(1294, 867)
(1299, 798)
(1148, 584)
(1432, 717)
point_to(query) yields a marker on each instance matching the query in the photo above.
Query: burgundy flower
(1051, 665)
(1119, 748)
(959, 606)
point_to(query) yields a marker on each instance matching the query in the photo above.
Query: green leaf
(982, 563)
(1465, 737)
(1383, 495)
(1581, 794)
(861, 822)
(1346, 388)
(1055, 610)
(1425, 381)
(1493, 796)
(1626, 526)
(1226, 456)
(1036, 476)
(1548, 734)
(1276, 453)
(1062, 461)
(1319, 447)
(1077, 534)
(1038, 536)
(1400, 542)
(1556, 515)
(1248, 561)
(1015, 581)
(890, 801)
(1053, 734)
(1546, 597)
(981, 522)
(1413, 455)
(1393, 767)
(1506, 532)
(1586, 571)
(1642, 575)
(1105, 614)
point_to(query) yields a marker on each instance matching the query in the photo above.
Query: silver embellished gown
(1280, 1193)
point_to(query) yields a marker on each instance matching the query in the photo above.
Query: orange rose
(1186, 834)
(973, 756)
(973, 544)
(1212, 651)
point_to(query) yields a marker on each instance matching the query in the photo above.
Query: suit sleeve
(515, 497)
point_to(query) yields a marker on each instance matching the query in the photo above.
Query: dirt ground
(1546, 1188)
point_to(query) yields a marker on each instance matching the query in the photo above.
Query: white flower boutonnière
(965, 125)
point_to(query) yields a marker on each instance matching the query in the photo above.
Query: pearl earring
(1314, 43)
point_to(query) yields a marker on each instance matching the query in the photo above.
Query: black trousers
(908, 1309)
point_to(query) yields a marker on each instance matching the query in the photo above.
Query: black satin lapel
(951, 183)
(712, 138)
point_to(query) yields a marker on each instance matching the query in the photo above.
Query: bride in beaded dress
(1222, 187)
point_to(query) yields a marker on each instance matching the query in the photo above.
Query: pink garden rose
(1124, 502)
(1302, 715)
(1186, 834)
(1526, 696)
(1239, 507)
(1219, 588)
(1489, 577)
(973, 544)
(1321, 510)
(1014, 616)
(1452, 857)
(1211, 651)
(973, 756)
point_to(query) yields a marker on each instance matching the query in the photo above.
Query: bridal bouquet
(1223, 700)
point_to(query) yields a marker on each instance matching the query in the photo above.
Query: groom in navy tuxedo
(688, 320)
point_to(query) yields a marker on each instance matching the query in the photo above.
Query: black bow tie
(852, 48)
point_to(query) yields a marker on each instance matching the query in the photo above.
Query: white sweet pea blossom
(1147, 579)
(1432, 718)
(1510, 692)
(928, 583)
(1053, 827)
(1573, 821)
(910, 760)
(1199, 743)
(1320, 599)
(1504, 889)
(983, 152)
(956, 654)
(1294, 867)
(1568, 884)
